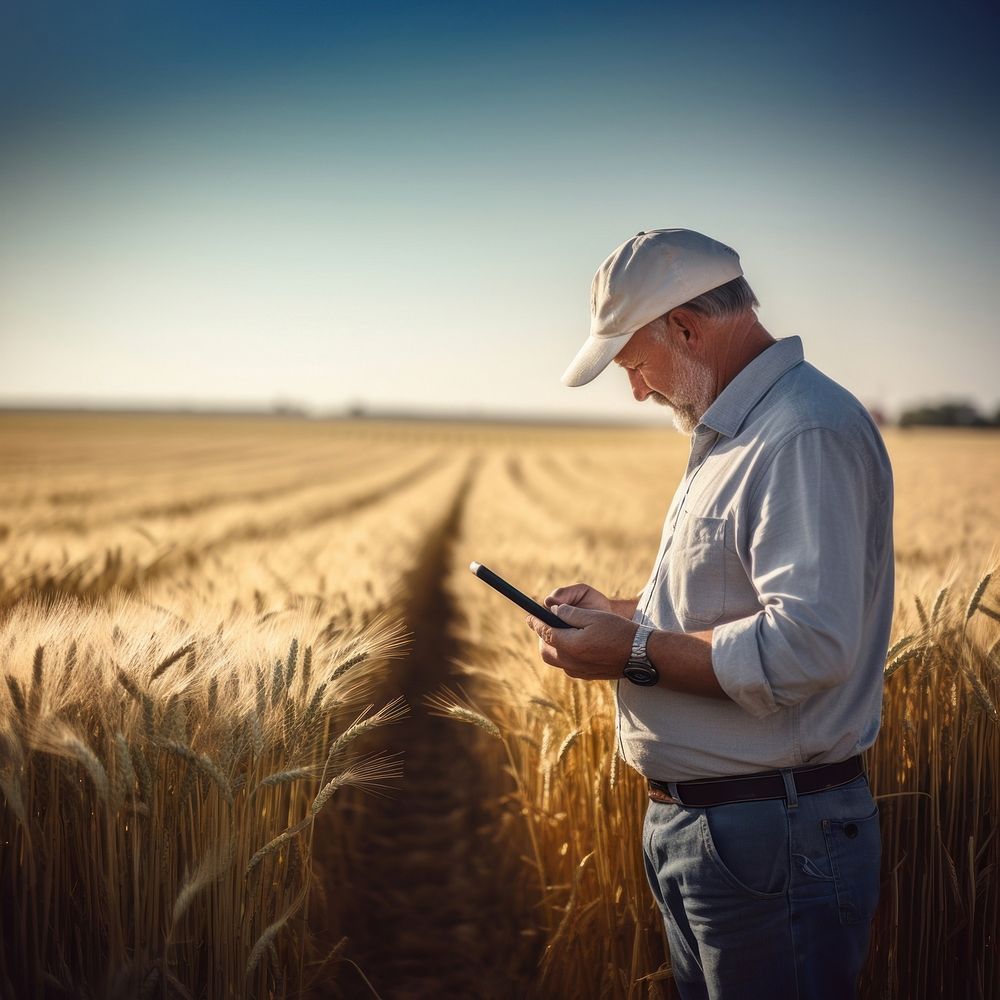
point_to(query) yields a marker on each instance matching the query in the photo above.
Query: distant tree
(955, 413)
(283, 408)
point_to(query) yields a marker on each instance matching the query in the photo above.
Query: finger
(574, 666)
(555, 658)
(543, 631)
(577, 617)
(556, 597)
(566, 595)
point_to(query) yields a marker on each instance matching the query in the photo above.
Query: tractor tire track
(427, 916)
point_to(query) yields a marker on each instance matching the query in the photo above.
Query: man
(749, 669)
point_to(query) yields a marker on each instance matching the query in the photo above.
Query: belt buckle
(656, 795)
(659, 795)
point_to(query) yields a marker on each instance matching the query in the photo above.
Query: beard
(694, 392)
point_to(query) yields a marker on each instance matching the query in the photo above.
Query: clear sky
(404, 204)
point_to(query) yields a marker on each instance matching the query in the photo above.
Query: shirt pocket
(697, 571)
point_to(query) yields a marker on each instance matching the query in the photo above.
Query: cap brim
(595, 355)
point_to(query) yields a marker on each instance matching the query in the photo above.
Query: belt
(761, 785)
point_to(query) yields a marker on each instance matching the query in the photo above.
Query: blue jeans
(768, 899)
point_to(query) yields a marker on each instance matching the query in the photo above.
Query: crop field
(262, 734)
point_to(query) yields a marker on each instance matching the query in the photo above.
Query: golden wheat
(195, 618)
(158, 698)
(600, 932)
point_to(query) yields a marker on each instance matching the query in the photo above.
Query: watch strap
(639, 655)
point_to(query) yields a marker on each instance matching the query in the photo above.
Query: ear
(685, 328)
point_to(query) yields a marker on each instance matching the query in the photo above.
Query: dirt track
(428, 919)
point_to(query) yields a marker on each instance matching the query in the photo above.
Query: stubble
(693, 395)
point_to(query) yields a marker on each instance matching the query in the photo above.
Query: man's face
(669, 376)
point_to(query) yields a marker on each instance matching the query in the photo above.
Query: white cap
(644, 278)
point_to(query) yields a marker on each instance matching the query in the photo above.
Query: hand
(596, 648)
(580, 595)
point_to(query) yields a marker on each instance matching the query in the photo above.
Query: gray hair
(730, 299)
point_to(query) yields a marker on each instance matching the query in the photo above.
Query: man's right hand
(580, 595)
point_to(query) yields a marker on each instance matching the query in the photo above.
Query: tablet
(524, 602)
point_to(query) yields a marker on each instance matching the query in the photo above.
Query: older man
(749, 669)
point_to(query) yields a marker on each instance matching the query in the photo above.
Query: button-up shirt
(779, 541)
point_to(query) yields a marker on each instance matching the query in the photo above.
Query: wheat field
(263, 735)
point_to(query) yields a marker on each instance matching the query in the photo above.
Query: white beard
(693, 395)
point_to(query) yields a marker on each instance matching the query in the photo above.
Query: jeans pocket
(854, 846)
(747, 843)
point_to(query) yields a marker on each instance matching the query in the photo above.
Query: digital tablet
(524, 602)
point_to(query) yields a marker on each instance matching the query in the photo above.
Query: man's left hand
(596, 648)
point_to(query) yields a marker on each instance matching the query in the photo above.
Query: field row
(169, 748)
(201, 623)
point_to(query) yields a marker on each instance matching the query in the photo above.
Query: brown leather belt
(761, 785)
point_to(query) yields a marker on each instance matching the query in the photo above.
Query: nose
(639, 388)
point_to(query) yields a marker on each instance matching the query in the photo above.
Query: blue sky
(403, 205)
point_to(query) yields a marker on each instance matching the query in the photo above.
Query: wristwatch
(638, 669)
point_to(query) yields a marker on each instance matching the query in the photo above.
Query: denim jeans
(767, 899)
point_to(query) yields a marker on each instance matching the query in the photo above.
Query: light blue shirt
(779, 539)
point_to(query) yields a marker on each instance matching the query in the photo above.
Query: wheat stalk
(389, 713)
(283, 778)
(37, 670)
(17, 697)
(266, 941)
(981, 694)
(343, 667)
(290, 663)
(277, 683)
(59, 738)
(124, 773)
(307, 658)
(977, 594)
(448, 705)
(204, 764)
(214, 864)
(324, 794)
(939, 601)
(165, 664)
(901, 659)
(567, 744)
(275, 845)
(898, 645)
(141, 768)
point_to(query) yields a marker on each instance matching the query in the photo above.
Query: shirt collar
(731, 406)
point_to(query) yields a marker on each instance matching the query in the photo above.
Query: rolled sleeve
(808, 526)
(738, 668)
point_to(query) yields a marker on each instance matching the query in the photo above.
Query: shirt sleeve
(809, 517)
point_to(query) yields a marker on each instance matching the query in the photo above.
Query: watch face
(638, 674)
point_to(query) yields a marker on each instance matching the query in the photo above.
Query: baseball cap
(641, 280)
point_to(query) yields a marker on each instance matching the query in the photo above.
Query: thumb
(573, 615)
